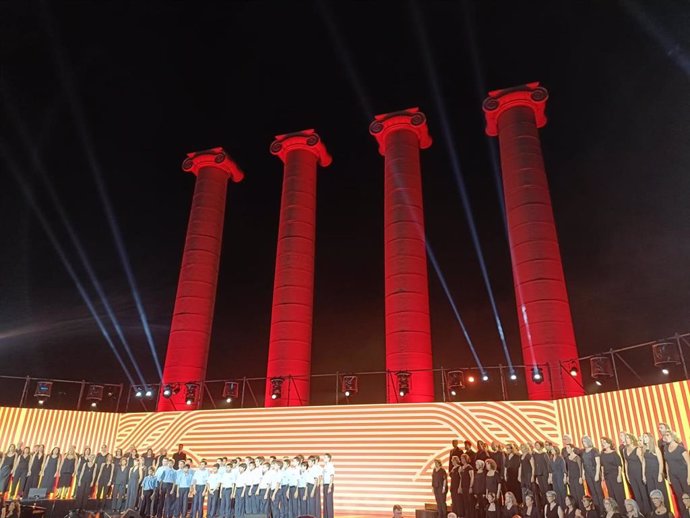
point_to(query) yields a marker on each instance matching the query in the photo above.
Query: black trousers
(440, 496)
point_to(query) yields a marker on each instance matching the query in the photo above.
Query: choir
(170, 487)
(541, 480)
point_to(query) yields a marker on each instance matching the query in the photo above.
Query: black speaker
(130, 513)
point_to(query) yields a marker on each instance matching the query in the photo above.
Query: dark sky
(158, 79)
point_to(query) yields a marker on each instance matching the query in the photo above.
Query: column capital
(531, 95)
(307, 140)
(409, 119)
(215, 157)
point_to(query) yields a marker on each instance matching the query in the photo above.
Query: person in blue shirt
(199, 489)
(159, 494)
(168, 490)
(183, 485)
(148, 486)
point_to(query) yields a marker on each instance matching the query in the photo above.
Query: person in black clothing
(86, 477)
(653, 466)
(526, 470)
(482, 453)
(612, 468)
(611, 508)
(497, 455)
(20, 474)
(455, 451)
(470, 452)
(511, 469)
(466, 482)
(439, 484)
(570, 506)
(573, 464)
(677, 465)
(542, 472)
(479, 487)
(35, 467)
(455, 484)
(530, 509)
(634, 471)
(178, 456)
(589, 509)
(660, 510)
(510, 508)
(493, 478)
(685, 508)
(552, 509)
(632, 510)
(493, 510)
(591, 464)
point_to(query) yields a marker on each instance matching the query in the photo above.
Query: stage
(383, 454)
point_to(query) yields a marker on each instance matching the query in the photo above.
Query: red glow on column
(190, 330)
(400, 136)
(289, 353)
(546, 327)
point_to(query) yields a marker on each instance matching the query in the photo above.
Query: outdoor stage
(383, 453)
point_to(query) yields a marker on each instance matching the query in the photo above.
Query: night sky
(156, 80)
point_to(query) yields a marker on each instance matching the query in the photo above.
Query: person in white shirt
(198, 492)
(292, 490)
(227, 484)
(328, 476)
(264, 488)
(241, 491)
(212, 489)
(274, 488)
(302, 488)
(313, 507)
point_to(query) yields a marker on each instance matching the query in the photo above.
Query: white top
(328, 472)
(266, 479)
(255, 476)
(227, 480)
(213, 481)
(241, 480)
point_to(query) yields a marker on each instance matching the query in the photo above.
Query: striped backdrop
(383, 453)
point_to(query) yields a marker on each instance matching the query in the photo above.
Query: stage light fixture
(455, 381)
(138, 392)
(601, 368)
(574, 371)
(471, 378)
(43, 391)
(485, 377)
(665, 371)
(598, 383)
(167, 391)
(94, 394)
(231, 390)
(513, 376)
(276, 388)
(537, 375)
(148, 393)
(403, 383)
(349, 385)
(190, 393)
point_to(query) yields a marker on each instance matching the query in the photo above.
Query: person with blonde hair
(511, 469)
(632, 510)
(591, 462)
(654, 466)
(526, 470)
(677, 462)
(552, 509)
(510, 508)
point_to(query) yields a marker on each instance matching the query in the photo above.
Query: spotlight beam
(94, 165)
(39, 166)
(457, 169)
(26, 191)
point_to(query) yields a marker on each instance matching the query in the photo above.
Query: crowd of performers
(170, 487)
(543, 480)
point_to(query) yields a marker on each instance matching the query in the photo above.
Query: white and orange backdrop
(383, 453)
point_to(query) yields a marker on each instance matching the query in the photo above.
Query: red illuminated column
(289, 351)
(546, 327)
(400, 136)
(190, 330)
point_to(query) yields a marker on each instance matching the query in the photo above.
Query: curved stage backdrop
(383, 453)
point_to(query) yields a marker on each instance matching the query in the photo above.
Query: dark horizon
(162, 79)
